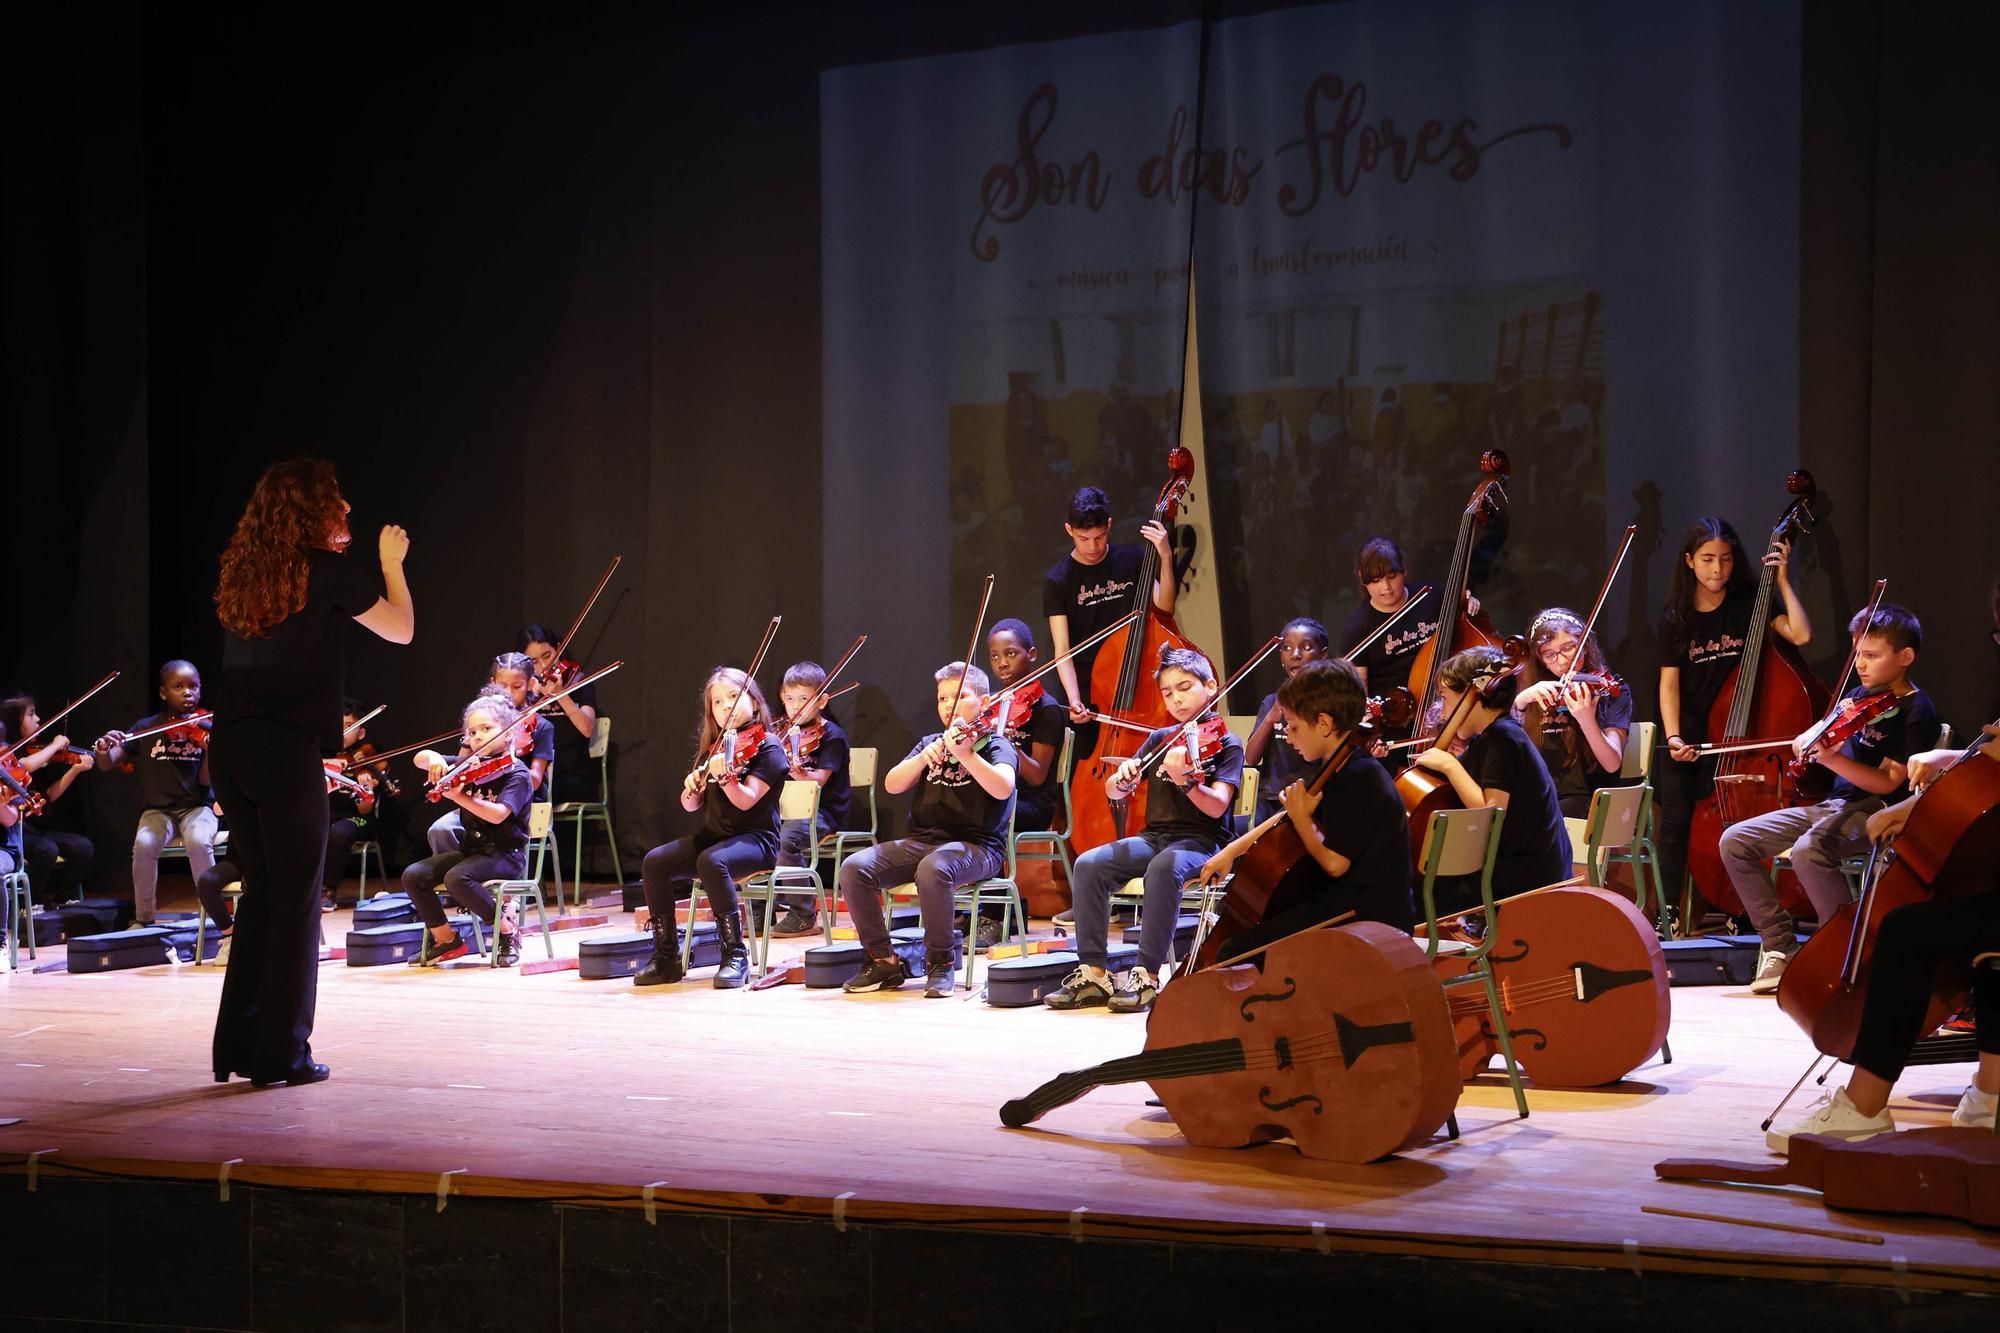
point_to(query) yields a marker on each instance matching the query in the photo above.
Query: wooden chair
(1458, 843)
(600, 809)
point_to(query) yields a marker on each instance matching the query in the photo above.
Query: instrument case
(118, 950)
(830, 965)
(1016, 983)
(384, 909)
(1711, 960)
(95, 916)
(378, 946)
(603, 957)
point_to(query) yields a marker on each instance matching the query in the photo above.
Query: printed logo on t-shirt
(168, 748)
(1708, 650)
(1395, 645)
(1093, 594)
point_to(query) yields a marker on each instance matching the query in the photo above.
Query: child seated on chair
(1035, 729)
(1579, 725)
(1355, 834)
(493, 845)
(173, 786)
(964, 783)
(1278, 763)
(513, 676)
(1188, 804)
(1868, 773)
(815, 751)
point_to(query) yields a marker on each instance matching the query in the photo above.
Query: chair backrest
(600, 739)
(1638, 751)
(1246, 793)
(540, 817)
(798, 800)
(1457, 840)
(1613, 823)
(1065, 761)
(861, 761)
(1944, 736)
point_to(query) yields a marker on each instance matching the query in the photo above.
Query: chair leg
(611, 836)
(687, 936)
(1506, 1039)
(576, 890)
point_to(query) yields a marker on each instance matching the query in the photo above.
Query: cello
(1122, 685)
(1949, 848)
(1341, 1043)
(1457, 628)
(1772, 692)
(1425, 792)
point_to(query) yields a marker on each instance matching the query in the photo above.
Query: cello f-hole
(1267, 997)
(1497, 959)
(1264, 1099)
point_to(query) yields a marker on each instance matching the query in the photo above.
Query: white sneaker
(1975, 1109)
(1836, 1118)
(1770, 966)
(222, 953)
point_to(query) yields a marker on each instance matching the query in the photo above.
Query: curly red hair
(294, 508)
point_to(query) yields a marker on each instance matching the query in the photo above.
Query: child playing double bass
(1869, 771)
(1188, 804)
(1354, 831)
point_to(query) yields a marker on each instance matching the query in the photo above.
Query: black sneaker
(1135, 992)
(940, 977)
(1084, 988)
(878, 974)
(507, 948)
(796, 921)
(437, 951)
(991, 931)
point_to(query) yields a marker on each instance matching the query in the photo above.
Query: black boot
(665, 967)
(940, 977)
(735, 968)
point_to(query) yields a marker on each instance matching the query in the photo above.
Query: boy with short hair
(173, 786)
(822, 762)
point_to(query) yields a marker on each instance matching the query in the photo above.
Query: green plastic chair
(1463, 842)
(1053, 841)
(528, 888)
(861, 765)
(20, 916)
(600, 809)
(967, 899)
(797, 800)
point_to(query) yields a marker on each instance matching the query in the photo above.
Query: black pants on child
(1913, 940)
(464, 876)
(1677, 789)
(341, 835)
(717, 862)
(273, 791)
(49, 881)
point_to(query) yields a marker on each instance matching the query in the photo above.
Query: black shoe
(940, 977)
(735, 968)
(437, 951)
(665, 967)
(796, 921)
(877, 974)
(309, 1072)
(991, 931)
(506, 948)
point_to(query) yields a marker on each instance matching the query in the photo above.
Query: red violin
(468, 775)
(1849, 718)
(19, 794)
(737, 748)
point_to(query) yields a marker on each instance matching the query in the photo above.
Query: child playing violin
(513, 676)
(1502, 767)
(964, 782)
(1911, 944)
(815, 750)
(173, 785)
(1354, 831)
(1304, 641)
(494, 844)
(739, 770)
(1188, 803)
(573, 730)
(51, 880)
(1869, 772)
(1034, 725)
(1579, 723)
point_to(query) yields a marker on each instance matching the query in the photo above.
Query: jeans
(1166, 865)
(1819, 837)
(939, 869)
(156, 829)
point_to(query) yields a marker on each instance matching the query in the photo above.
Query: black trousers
(50, 882)
(272, 788)
(717, 862)
(1913, 940)
(464, 876)
(1677, 789)
(341, 835)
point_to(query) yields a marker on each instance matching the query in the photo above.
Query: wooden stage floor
(809, 1102)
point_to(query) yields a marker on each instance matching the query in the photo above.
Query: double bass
(1949, 848)
(1772, 692)
(1459, 629)
(1122, 685)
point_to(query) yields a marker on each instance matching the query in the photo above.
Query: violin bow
(1597, 607)
(1854, 647)
(589, 602)
(1060, 658)
(1409, 605)
(467, 761)
(749, 674)
(199, 715)
(347, 732)
(823, 698)
(402, 750)
(978, 624)
(74, 704)
(1146, 761)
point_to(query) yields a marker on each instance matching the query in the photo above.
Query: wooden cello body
(1341, 1043)
(1949, 848)
(1122, 687)
(1772, 693)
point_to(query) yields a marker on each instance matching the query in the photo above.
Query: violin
(562, 673)
(801, 741)
(1011, 709)
(1849, 718)
(1458, 629)
(1122, 682)
(1947, 849)
(737, 748)
(1602, 687)
(1201, 737)
(1342, 1044)
(1201, 741)
(70, 755)
(468, 775)
(1772, 692)
(20, 796)
(338, 781)
(1264, 865)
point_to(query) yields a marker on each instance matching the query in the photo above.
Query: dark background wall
(546, 288)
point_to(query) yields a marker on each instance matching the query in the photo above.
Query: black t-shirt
(169, 770)
(1281, 765)
(1567, 754)
(831, 755)
(570, 748)
(1361, 816)
(296, 673)
(1534, 842)
(1911, 728)
(1706, 650)
(513, 788)
(1093, 596)
(1170, 812)
(1387, 660)
(1045, 724)
(949, 806)
(721, 818)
